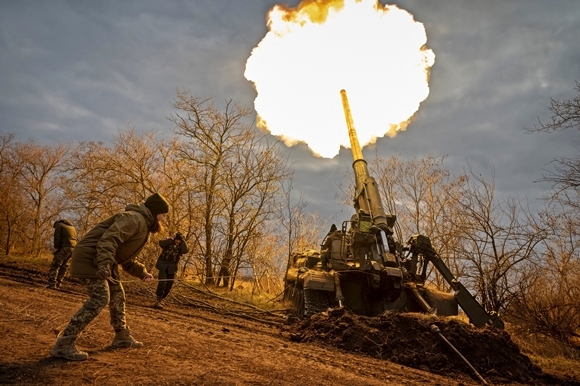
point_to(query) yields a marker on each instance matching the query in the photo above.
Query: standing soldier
(65, 238)
(167, 262)
(96, 259)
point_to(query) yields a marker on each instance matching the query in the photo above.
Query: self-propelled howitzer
(363, 268)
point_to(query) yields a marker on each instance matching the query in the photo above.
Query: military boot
(158, 304)
(59, 281)
(123, 339)
(65, 348)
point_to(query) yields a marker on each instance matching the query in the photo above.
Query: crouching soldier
(65, 238)
(113, 242)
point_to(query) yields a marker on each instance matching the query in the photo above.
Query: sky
(83, 70)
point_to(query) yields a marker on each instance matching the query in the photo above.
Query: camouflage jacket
(65, 234)
(171, 252)
(117, 240)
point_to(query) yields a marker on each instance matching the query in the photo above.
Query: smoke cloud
(376, 53)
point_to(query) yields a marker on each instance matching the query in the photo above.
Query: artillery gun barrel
(359, 164)
(367, 196)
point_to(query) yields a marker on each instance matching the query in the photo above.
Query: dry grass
(245, 293)
(41, 261)
(550, 354)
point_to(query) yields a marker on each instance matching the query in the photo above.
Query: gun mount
(362, 267)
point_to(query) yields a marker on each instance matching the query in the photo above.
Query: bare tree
(103, 179)
(485, 243)
(254, 172)
(548, 300)
(212, 136)
(89, 190)
(13, 209)
(498, 239)
(291, 210)
(301, 229)
(266, 268)
(41, 166)
(174, 181)
(172, 176)
(135, 166)
(423, 195)
(565, 178)
(565, 115)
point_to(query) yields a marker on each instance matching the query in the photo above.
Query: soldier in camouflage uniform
(65, 238)
(96, 259)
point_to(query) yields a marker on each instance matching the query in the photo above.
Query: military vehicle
(360, 266)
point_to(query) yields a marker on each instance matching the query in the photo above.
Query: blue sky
(82, 70)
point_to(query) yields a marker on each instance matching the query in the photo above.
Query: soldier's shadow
(47, 370)
(30, 372)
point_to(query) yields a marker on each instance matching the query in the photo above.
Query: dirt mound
(407, 339)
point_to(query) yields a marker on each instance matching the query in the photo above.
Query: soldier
(65, 238)
(326, 247)
(113, 242)
(167, 262)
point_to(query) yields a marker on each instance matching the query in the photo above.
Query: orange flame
(376, 53)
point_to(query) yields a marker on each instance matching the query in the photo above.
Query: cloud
(81, 70)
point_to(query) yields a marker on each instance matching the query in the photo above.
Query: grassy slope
(550, 355)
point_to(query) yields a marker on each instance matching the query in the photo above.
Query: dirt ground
(197, 341)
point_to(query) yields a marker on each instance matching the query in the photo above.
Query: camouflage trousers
(101, 293)
(59, 265)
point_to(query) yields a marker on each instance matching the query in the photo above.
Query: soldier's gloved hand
(104, 273)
